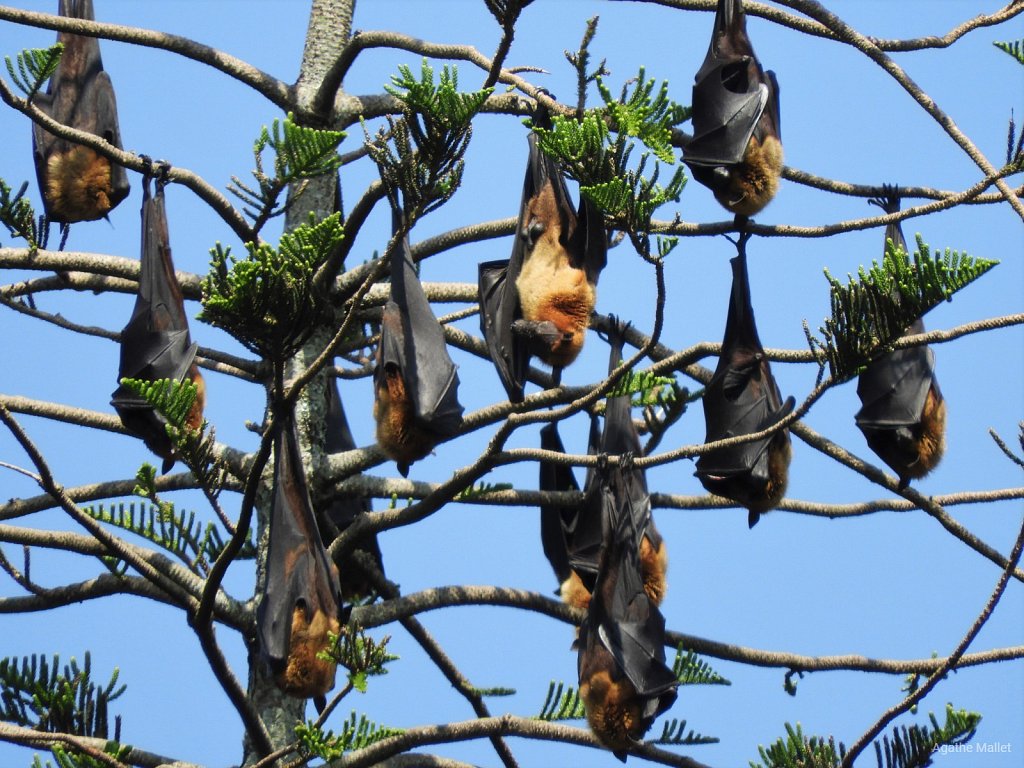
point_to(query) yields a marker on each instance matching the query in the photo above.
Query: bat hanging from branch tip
(416, 400)
(741, 398)
(75, 182)
(539, 301)
(156, 344)
(736, 149)
(903, 413)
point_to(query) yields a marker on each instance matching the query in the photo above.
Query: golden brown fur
(78, 185)
(194, 419)
(397, 432)
(931, 444)
(653, 566)
(754, 182)
(613, 707)
(305, 675)
(550, 288)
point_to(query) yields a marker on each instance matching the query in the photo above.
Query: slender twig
(30, 737)
(948, 663)
(273, 89)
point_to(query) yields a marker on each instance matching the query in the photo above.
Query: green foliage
(69, 758)
(300, 153)
(481, 489)
(35, 66)
(268, 300)
(355, 734)
(914, 747)
(17, 215)
(177, 532)
(172, 399)
(496, 691)
(601, 163)
(35, 694)
(674, 733)
(650, 388)
(797, 751)
(873, 311)
(361, 655)
(691, 669)
(1014, 48)
(563, 702)
(430, 139)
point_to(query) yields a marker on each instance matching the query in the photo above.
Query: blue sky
(890, 585)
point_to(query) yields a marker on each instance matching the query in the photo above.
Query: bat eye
(533, 231)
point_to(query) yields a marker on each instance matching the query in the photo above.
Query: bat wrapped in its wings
(624, 680)
(742, 397)
(539, 301)
(340, 513)
(301, 602)
(572, 536)
(75, 182)
(736, 150)
(416, 384)
(155, 344)
(903, 414)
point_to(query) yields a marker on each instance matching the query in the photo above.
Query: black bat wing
(730, 93)
(622, 617)
(299, 573)
(81, 96)
(340, 513)
(155, 344)
(499, 308)
(430, 376)
(742, 396)
(553, 518)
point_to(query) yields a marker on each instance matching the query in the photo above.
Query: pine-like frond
(872, 311)
(267, 300)
(17, 215)
(563, 702)
(360, 654)
(36, 694)
(1014, 48)
(914, 747)
(430, 139)
(66, 757)
(298, 153)
(798, 751)
(674, 733)
(357, 733)
(34, 67)
(691, 669)
(178, 533)
(172, 399)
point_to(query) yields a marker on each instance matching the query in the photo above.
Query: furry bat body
(155, 344)
(77, 184)
(736, 150)
(742, 397)
(539, 301)
(416, 384)
(301, 602)
(903, 414)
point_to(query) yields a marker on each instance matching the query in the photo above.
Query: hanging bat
(155, 344)
(301, 602)
(903, 414)
(75, 182)
(416, 385)
(742, 397)
(336, 516)
(736, 150)
(623, 678)
(571, 535)
(539, 301)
